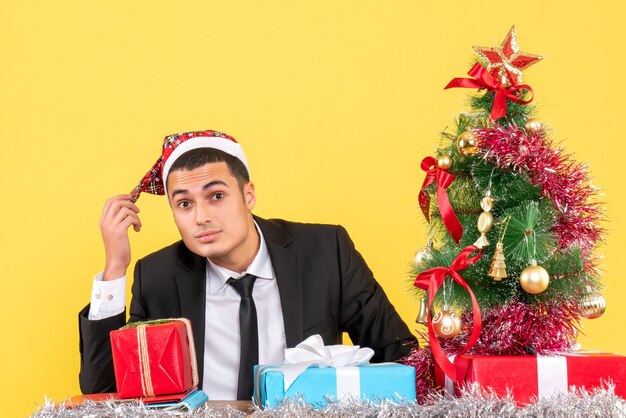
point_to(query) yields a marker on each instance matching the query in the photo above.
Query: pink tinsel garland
(562, 180)
(518, 328)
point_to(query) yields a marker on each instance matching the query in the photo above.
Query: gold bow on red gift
(431, 280)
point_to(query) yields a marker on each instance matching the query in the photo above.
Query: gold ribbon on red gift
(144, 359)
(434, 174)
(482, 79)
(431, 280)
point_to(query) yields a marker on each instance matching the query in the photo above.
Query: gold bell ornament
(422, 316)
(467, 143)
(534, 279)
(592, 305)
(446, 323)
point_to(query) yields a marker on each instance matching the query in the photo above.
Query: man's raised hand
(118, 214)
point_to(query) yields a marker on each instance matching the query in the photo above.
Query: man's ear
(249, 195)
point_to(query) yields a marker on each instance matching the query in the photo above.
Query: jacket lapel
(285, 263)
(191, 284)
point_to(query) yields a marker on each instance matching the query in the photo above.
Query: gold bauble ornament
(445, 162)
(592, 305)
(534, 279)
(467, 143)
(422, 255)
(446, 324)
(533, 125)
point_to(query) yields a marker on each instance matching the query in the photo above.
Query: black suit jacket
(324, 284)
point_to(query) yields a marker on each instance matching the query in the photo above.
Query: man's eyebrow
(205, 187)
(214, 183)
(179, 191)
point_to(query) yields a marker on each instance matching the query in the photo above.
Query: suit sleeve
(96, 362)
(137, 306)
(366, 313)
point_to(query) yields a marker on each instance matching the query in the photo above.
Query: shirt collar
(261, 267)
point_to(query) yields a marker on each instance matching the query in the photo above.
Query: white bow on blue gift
(313, 353)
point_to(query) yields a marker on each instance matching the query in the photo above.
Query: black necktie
(248, 329)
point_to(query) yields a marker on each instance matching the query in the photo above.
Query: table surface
(243, 406)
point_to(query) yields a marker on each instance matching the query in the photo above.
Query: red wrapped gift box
(532, 377)
(154, 359)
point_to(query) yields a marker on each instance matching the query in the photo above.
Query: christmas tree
(509, 268)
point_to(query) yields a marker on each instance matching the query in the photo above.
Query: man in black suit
(307, 279)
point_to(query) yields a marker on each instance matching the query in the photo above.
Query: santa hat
(176, 145)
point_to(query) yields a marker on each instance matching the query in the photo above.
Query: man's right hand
(118, 215)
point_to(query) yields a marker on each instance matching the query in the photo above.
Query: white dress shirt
(222, 339)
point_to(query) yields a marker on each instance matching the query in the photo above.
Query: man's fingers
(131, 220)
(126, 217)
(118, 214)
(114, 199)
(114, 205)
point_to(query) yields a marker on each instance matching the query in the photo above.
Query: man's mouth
(207, 236)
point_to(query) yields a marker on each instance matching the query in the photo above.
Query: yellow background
(335, 103)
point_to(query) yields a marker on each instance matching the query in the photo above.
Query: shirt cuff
(108, 298)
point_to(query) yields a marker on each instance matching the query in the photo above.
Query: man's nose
(203, 213)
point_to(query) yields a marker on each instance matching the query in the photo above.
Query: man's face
(213, 214)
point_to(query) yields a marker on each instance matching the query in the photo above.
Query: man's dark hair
(198, 157)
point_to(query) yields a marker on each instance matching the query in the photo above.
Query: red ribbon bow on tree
(484, 80)
(443, 179)
(431, 280)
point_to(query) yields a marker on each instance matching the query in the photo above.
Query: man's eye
(218, 196)
(183, 204)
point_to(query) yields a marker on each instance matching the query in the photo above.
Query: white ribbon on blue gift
(313, 353)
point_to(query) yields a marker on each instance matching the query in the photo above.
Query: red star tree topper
(507, 61)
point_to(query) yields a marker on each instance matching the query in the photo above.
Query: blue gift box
(373, 382)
